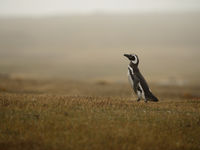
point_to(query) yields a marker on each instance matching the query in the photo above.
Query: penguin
(137, 80)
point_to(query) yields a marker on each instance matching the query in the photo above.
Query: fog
(52, 41)
(83, 47)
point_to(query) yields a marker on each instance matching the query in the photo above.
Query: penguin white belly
(140, 93)
(130, 79)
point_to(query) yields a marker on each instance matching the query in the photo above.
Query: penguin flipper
(136, 83)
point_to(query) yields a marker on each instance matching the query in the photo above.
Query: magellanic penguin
(137, 81)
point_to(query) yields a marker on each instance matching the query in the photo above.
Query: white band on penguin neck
(134, 61)
(130, 69)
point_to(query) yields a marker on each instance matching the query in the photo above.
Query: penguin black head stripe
(133, 58)
(137, 81)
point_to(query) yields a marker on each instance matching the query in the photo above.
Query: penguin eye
(133, 58)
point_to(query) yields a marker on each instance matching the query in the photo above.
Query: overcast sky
(53, 7)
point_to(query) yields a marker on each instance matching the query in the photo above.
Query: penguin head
(133, 58)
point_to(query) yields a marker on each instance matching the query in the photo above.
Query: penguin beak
(127, 55)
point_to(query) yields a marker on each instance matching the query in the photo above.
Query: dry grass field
(75, 115)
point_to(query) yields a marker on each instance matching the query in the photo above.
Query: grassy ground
(72, 115)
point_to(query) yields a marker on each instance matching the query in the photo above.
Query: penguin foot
(138, 99)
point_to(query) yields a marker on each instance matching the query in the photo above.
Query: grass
(72, 115)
